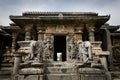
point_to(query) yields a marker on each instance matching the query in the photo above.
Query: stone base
(61, 77)
(5, 74)
(31, 71)
(30, 77)
(92, 74)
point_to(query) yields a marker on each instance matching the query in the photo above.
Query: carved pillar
(78, 33)
(14, 37)
(70, 43)
(90, 29)
(41, 31)
(28, 29)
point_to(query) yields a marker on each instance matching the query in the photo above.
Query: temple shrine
(59, 46)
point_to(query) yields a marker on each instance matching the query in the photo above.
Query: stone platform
(70, 71)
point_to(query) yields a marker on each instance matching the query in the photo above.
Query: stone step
(5, 71)
(60, 70)
(6, 68)
(62, 76)
(6, 65)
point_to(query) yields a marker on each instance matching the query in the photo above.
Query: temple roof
(59, 14)
(10, 28)
(65, 17)
(4, 33)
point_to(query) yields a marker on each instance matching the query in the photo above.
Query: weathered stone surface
(92, 74)
(61, 77)
(30, 77)
(31, 71)
(36, 54)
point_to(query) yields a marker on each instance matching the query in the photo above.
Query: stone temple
(59, 46)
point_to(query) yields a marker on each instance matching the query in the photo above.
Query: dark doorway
(60, 46)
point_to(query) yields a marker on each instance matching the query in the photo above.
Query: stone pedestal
(101, 55)
(33, 71)
(24, 48)
(103, 59)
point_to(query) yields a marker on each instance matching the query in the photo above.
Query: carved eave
(73, 19)
(11, 29)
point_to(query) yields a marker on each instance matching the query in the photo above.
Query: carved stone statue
(48, 47)
(36, 52)
(72, 47)
(85, 51)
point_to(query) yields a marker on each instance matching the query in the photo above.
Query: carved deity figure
(72, 47)
(85, 51)
(48, 47)
(36, 51)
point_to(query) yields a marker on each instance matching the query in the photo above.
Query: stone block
(61, 77)
(31, 71)
(92, 74)
(30, 77)
(60, 70)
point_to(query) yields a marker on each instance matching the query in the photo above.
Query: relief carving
(48, 48)
(72, 47)
(36, 52)
(85, 51)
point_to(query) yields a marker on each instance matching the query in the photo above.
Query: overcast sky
(17, 7)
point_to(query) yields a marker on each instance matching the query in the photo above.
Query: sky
(102, 7)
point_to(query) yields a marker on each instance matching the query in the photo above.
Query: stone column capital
(91, 29)
(90, 26)
(79, 29)
(40, 29)
(14, 34)
(28, 27)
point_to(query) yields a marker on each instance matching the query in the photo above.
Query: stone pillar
(70, 35)
(14, 37)
(102, 56)
(90, 29)
(40, 35)
(78, 33)
(28, 29)
(104, 62)
(109, 48)
(41, 31)
(17, 60)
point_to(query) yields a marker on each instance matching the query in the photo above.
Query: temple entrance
(60, 47)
